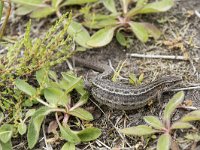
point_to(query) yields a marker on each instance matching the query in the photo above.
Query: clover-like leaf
(89, 134)
(154, 122)
(192, 116)
(138, 130)
(102, 37)
(35, 125)
(22, 128)
(68, 134)
(139, 30)
(25, 87)
(79, 33)
(172, 104)
(164, 142)
(81, 113)
(110, 5)
(68, 146)
(6, 132)
(181, 125)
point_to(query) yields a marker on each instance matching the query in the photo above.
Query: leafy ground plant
(164, 126)
(55, 97)
(119, 21)
(41, 8)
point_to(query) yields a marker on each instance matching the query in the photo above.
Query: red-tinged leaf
(139, 30)
(181, 125)
(192, 116)
(164, 142)
(154, 122)
(53, 125)
(101, 37)
(172, 105)
(138, 130)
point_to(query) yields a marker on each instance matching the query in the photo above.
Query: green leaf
(181, 125)
(25, 87)
(139, 30)
(35, 125)
(69, 82)
(6, 132)
(30, 112)
(164, 142)
(154, 122)
(138, 130)
(55, 96)
(121, 38)
(172, 105)
(42, 12)
(89, 134)
(6, 146)
(82, 114)
(155, 7)
(24, 9)
(98, 24)
(1, 9)
(68, 134)
(110, 5)
(68, 146)
(192, 116)
(37, 3)
(77, 2)
(22, 128)
(42, 77)
(79, 33)
(141, 3)
(102, 37)
(193, 136)
(1, 117)
(152, 30)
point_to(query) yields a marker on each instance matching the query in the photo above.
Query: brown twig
(6, 19)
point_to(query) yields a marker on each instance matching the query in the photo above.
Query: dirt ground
(181, 28)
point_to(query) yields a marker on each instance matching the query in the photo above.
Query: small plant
(165, 127)
(55, 97)
(125, 21)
